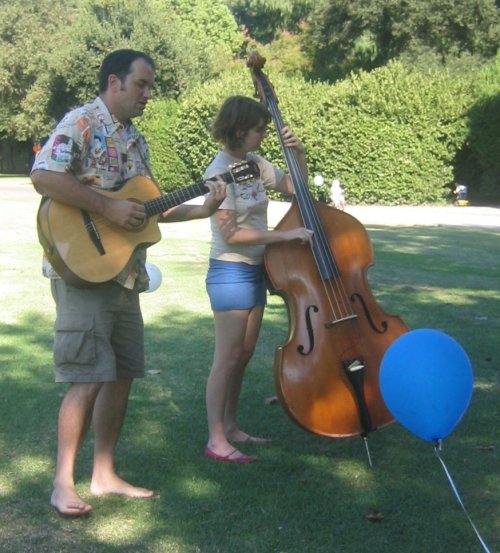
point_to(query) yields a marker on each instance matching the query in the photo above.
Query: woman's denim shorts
(235, 285)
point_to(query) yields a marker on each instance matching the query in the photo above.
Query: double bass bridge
(332, 323)
(310, 327)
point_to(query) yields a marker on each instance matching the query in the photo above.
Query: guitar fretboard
(172, 199)
(239, 173)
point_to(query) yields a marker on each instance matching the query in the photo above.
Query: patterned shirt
(92, 145)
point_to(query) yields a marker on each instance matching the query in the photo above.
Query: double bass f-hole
(368, 316)
(310, 331)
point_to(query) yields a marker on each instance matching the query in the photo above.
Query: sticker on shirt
(62, 148)
(126, 166)
(113, 165)
(97, 152)
(140, 167)
(82, 125)
(101, 118)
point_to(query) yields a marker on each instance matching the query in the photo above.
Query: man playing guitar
(99, 343)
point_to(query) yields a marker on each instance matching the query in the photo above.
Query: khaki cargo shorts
(99, 333)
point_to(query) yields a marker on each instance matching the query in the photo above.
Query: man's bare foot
(115, 484)
(68, 503)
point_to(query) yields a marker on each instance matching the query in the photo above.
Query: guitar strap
(146, 164)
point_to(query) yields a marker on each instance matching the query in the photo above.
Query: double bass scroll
(326, 374)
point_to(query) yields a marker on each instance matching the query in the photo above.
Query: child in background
(337, 195)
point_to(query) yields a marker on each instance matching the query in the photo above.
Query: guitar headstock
(244, 171)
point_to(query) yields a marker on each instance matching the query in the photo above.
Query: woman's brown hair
(238, 113)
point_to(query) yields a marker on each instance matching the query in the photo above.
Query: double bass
(327, 372)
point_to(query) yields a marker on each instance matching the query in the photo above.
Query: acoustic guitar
(85, 248)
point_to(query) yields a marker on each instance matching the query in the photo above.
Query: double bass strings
(330, 275)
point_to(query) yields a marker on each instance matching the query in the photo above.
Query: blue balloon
(426, 382)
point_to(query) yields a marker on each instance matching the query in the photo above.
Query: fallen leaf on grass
(271, 400)
(374, 515)
(154, 371)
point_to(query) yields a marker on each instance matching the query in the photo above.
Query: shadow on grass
(305, 492)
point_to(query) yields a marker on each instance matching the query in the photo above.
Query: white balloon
(318, 180)
(154, 274)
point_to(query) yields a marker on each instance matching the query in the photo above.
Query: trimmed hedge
(169, 167)
(391, 136)
(478, 160)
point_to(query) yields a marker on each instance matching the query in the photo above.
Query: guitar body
(87, 249)
(68, 244)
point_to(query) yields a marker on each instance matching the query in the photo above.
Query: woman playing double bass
(326, 373)
(235, 281)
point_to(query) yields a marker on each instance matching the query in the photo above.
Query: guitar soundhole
(141, 227)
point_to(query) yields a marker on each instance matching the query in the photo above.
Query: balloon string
(454, 488)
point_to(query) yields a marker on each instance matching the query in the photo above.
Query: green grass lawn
(306, 493)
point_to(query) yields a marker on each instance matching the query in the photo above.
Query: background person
(461, 194)
(337, 195)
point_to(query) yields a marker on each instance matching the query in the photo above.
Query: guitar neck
(177, 197)
(172, 199)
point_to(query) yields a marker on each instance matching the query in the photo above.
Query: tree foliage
(347, 35)
(264, 20)
(390, 135)
(478, 159)
(52, 50)
(416, 108)
(24, 74)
